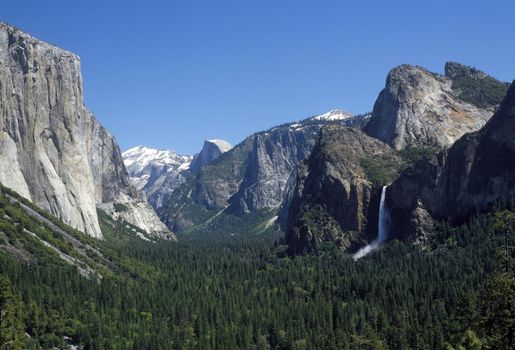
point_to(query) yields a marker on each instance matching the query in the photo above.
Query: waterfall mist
(383, 225)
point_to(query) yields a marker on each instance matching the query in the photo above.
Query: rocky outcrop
(251, 176)
(52, 150)
(335, 192)
(156, 172)
(211, 150)
(455, 70)
(470, 177)
(423, 109)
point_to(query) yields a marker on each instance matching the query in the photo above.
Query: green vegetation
(120, 208)
(180, 207)
(196, 213)
(381, 171)
(316, 218)
(11, 316)
(241, 292)
(229, 166)
(412, 154)
(485, 92)
(225, 224)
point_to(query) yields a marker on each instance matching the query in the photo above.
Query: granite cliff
(211, 150)
(52, 149)
(473, 175)
(418, 108)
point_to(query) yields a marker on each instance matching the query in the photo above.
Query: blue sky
(169, 74)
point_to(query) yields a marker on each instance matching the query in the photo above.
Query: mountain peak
(421, 108)
(474, 86)
(143, 150)
(455, 70)
(211, 150)
(16, 36)
(409, 75)
(335, 114)
(143, 163)
(223, 145)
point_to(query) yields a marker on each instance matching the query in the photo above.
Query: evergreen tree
(11, 316)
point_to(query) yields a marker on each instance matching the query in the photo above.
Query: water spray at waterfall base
(383, 224)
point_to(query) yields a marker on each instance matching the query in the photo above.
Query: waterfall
(384, 219)
(383, 224)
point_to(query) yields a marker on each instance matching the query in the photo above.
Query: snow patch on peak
(335, 114)
(223, 145)
(211, 150)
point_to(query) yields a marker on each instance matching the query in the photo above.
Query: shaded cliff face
(335, 192)
(475, 173)
(420, 108)
(52, 150)
(250, 177)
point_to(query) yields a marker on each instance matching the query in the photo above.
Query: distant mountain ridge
(156, 172)
(418, 111)
(160, 172)
(143, 164)
(251, 177)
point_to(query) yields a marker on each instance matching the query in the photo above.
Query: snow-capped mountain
(335, 114)
(142, 163)
(151, 169)
(159, 172)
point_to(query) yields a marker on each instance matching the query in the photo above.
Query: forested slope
(243, 293)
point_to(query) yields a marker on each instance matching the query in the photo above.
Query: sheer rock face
(333, 198)
(471, 176)
(52, 150)
(251, 176)
(270, 161)
(420, 108)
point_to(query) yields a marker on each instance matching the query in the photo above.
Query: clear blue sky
(169, 74)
